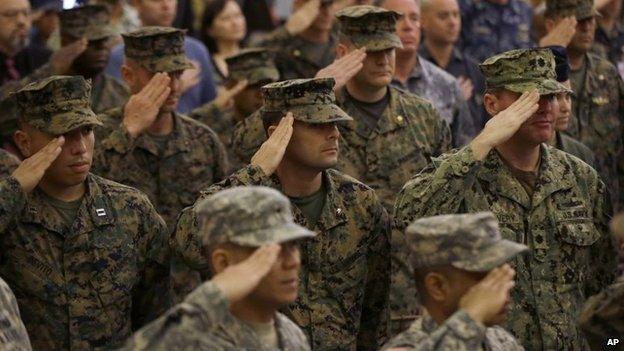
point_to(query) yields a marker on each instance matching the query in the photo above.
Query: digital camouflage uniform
(92, 23)
(442, 89)
(489, 28)
(8, 163)
(472, 243)
(257, 67)
(244, 216)
(597, 107)
(574, 147)
(345, 273)
(563, 222)
(602, 316)
(13, 335)
(88, 285)
(171, 171)
(409, 132)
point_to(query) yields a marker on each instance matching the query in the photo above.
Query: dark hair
(213, 9)
(270, 118)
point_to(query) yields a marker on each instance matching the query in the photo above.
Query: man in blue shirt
(490, 27)
(198, 86)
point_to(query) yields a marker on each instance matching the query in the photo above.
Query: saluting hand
(561, 34)
(505, 124)
(485, 301)
(225, 96)
(142, 108)
(237, 281)
(303, 17)
(63, 58)
(271, 152)
(344, 68)
(30, 172)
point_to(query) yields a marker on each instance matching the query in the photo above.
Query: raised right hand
(561, 34)
(271, 152)
(62, 60)
(30, 172)
(142, 108)
(303, 17)
(485, 300)
(237, 281)
(505, 124)
(344, 68)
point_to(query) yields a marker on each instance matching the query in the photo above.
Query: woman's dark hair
(213, 9)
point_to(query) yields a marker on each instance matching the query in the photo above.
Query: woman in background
(222, 31)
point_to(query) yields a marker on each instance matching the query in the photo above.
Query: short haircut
(271, 118)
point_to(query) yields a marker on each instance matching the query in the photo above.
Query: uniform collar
(94, 211)
(388, 122)
(176, 142)
(501, 181)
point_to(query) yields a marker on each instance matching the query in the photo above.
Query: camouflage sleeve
(222, 164)
(604, 254)
(151, 296)
(438, 189)
(458, 333)
(206, 113)
(445, 137)
(12, 200)
(373, 325)
(186, 325)
(13, 335)
(603, 315)
(248, 136)
(12, 86)
(620, 161)
(185, 241)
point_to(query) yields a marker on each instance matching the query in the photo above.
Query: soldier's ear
(220, 259)
(341, 50)
(436, 285)
(271, 129)
(23, 143)
(490, 102)
(549, 24)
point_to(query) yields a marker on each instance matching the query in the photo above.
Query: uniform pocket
(581, 232)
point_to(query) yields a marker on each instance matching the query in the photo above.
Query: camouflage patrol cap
(57, 104)
(90, 21)
(471, 242)
(248, 216)
(310, 100)
(255, 65)
(370, 26)
(157, 49)
(581, 9)
(523, 70)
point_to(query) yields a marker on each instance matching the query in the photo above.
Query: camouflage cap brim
(169, 63)
(544, 87)
(275, 235)
(376, 42)
(93, 33)
(494, 256)
(319, 114)
(64, 122)
(584, 12)
(256, 75)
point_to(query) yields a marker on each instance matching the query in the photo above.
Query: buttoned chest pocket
(576, 233)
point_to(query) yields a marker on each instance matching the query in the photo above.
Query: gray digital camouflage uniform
(245, 216)
(13, 335)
